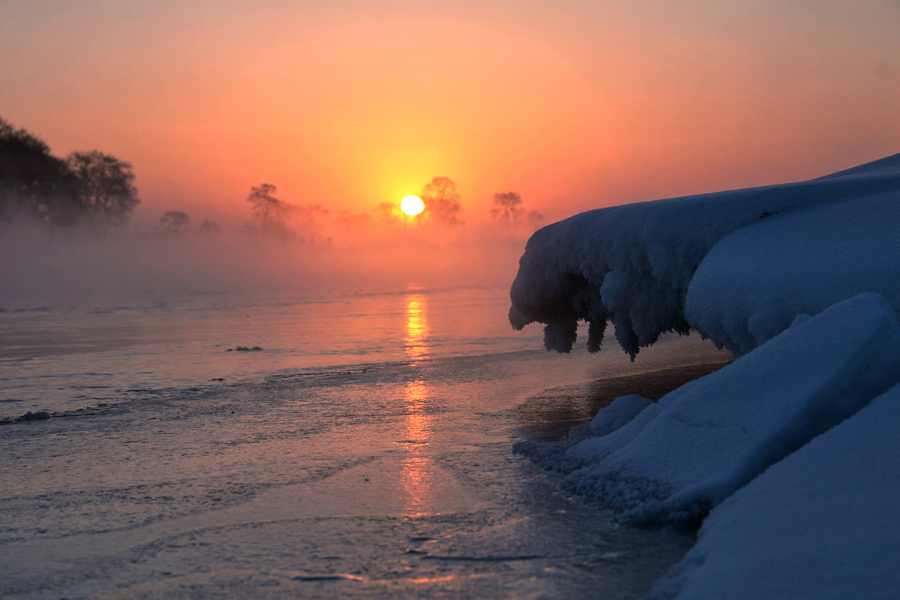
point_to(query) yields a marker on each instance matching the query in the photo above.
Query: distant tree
(105, 187)
(174, 223)
(208, 227)
(507, 207)
(89, 185)
(386, 212)
(509, 211)
(269, 211)
(348, 219)
(309, 214)
(272, 214)
(442, 201)
(33, 181)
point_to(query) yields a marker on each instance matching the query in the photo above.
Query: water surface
(312, 473)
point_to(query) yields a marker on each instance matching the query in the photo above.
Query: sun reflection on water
(416, 340)
(417, 471)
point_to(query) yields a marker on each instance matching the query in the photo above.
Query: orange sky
(573, 104)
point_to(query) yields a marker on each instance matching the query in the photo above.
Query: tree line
(443, 208)
(92, 187)
(98, 189)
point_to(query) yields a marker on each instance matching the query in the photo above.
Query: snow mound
(677, 459)
(615, 415)
(632, 265)
(821, 524)
(753, 282)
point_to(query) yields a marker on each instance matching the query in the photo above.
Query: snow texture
(786, 446)
(616, 415)
(821, 524)
(633, 265)
(704, 441)
(753, 282)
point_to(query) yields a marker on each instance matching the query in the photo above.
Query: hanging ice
(635, 265)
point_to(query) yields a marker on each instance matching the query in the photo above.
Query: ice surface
(823, 523)
(707, 439)
(390, 480)
(633, 265)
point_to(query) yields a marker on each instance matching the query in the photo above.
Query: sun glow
(412, 205)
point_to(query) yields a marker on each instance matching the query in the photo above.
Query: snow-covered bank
(633, 265)
(823, 523)
(698, 445)
(753, 282)
(784, 441)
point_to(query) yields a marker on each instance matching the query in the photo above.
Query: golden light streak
(417, 471)
(416, 341)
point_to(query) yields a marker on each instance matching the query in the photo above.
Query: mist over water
(366, 443)
(71, 267)
(89, 319)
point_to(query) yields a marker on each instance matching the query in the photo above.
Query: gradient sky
(574, 104)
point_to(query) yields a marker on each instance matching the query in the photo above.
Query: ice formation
(786, 445)
(633, 265)
(704, 441)
(616, 415)
(821, 524)
(751, 283)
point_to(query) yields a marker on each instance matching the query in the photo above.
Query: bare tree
(509, 211)
(507, 207)
(271, 213)
(105, 186)
(208, 227)
(386, 212)
(174, 223)
(442, 201)
(309, 214)
(33, 181)
(275, 216)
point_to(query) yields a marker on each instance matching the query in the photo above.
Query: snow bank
(675, 460)
(800, 467)
(753, 282)
(821, 524)
(615, 415)
(633, 265)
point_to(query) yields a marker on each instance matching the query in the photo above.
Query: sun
(412, 205)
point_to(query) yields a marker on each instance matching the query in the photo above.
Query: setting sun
(412, 205)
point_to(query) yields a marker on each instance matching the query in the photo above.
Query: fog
(141, 263)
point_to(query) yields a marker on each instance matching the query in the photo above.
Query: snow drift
(752, 283)
(702, 442)
(633, 265)
(787, 446)
(822, 524)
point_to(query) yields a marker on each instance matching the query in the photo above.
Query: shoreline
(548, 416)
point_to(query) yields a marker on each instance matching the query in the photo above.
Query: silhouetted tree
(174, 223)
(274, 216)
(208, 227)
(509, 211)
(442, 201)
(309, 214)
(33, 181)
(105, 187)
(87, 184)
(386, 212)
(271, 213)
(507, 207)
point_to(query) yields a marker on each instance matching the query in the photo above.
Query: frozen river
(364, 452)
